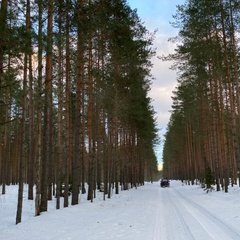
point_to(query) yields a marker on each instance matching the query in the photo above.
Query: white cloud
(157, 14)
(161, 90)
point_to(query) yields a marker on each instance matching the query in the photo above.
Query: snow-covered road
(182, 218)
(150, 212)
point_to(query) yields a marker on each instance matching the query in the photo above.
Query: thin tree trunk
(38, 153)
(47, 141)
(90, 120)
(31, 113)
(80, 83)
(67, 117)
(3, 21)
(22, 144)
(59, 171)
(236, 80)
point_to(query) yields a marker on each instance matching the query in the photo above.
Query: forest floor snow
(180, 212)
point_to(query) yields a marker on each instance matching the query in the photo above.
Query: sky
(157, 14)
(180, 212)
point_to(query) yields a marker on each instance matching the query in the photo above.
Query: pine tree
(209, 179)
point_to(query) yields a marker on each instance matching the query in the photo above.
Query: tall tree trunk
(236, 81)
(67, 117)
(59, 161)
(80, 82)
(22, 145)
(3, 22)
(38, 153)
(31, 112)
(231, 96)
(47, 141)
(90, 119)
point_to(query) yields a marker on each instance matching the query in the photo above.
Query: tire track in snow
(170, 223)
(183, 223)
(157, 234)
(215, 227)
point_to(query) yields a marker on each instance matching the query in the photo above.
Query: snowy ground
(148, 213)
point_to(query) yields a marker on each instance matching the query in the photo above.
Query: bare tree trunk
(90, 120)
(47, 141)
(38, 153)
(83, 150)
(77, 134)
(109, 155)
(59, 170)
(22, 143)
(3, 21)
(31, 113)
(231, 95)
(67, 117)
(82, 135)
(236, 81)
(6, 150)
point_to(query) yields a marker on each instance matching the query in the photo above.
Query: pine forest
(203, 134)
(74, 105)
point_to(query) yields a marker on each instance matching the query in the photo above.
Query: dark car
(165, 182)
